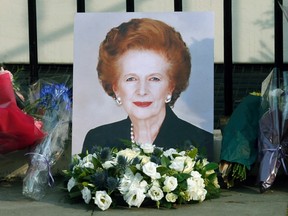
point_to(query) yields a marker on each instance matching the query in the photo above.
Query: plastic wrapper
(53, 104)
(273, 136)
(18, 130)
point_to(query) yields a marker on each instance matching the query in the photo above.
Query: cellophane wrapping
(53, 103)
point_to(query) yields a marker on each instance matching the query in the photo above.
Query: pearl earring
(168, 98)
(118, 101)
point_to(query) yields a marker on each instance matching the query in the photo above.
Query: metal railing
(228, 49)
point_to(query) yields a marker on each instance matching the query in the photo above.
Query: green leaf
(66, 172)
(96, 162)
(193, 153)
(85, 184)
(127, 143)
(212, 176)
(75, 194)
(162, 170)
(182, 177)
(211, 166)
(133, 169)
(167, 205)
(165, 161)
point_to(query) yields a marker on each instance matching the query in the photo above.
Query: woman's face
(143, 84)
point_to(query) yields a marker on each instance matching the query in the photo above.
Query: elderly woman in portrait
(145, 65)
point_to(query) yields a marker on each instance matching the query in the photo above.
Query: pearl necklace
(132, 134)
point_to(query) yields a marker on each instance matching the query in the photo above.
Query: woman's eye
(154, 79)
(129, 79)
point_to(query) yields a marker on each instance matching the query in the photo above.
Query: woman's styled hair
(145, 34)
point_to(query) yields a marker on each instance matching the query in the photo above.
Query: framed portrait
(92, 107)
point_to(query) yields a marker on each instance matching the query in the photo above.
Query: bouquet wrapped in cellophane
(141, 175)
(51, 101)
(18, 130)
(273, 137)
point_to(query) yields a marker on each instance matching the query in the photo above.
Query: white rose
(108, 164)
(196, 194)
(86, 195)
(76, 157)
(71, 183)
(170, 152)
(195, 188)
(131, 182)
(143, 185)
(102, 200)
(188, 165)
(178, 164)
(155, 183)
(87, 158)
(147, 147)
(205, 161)
(182, 164)
(182, 153)
(150, 170)
(88, 165)
(170, 184)
(136, 181)
(191, 183)
(171, 197)
(195, 174)
(155, 193)
(128, 153)
(126, 181)
(134, 197)
(202, 195)
(144, 159)
(196, 180)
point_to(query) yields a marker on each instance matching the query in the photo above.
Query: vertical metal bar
(178, 5)
(130, 6)
(278, 37)
(33, 50)
(228, 66)
(80, 6)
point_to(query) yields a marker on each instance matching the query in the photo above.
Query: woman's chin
(144, 115)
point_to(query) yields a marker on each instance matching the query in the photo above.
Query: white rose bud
(171, 197)
(170, 184)
(150, 170)
(147, 148)
(178, 164)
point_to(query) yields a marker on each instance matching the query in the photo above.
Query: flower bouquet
(239, 144)
(141, 175)
(273, 136)
(51, 102)
(18, 130)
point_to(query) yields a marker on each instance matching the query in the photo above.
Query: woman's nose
(142, 88)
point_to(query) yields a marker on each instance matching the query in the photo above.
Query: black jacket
(174, 133)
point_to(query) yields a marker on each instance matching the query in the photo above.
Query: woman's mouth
(142, 104)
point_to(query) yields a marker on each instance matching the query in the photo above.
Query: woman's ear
(171, 88)
(115, 89)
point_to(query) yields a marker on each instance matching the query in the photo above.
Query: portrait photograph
(144, 78)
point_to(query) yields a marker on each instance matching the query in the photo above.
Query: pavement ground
(243, 199)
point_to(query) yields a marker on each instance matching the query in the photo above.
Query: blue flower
(51, 95)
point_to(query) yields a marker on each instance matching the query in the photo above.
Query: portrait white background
(92, 107)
